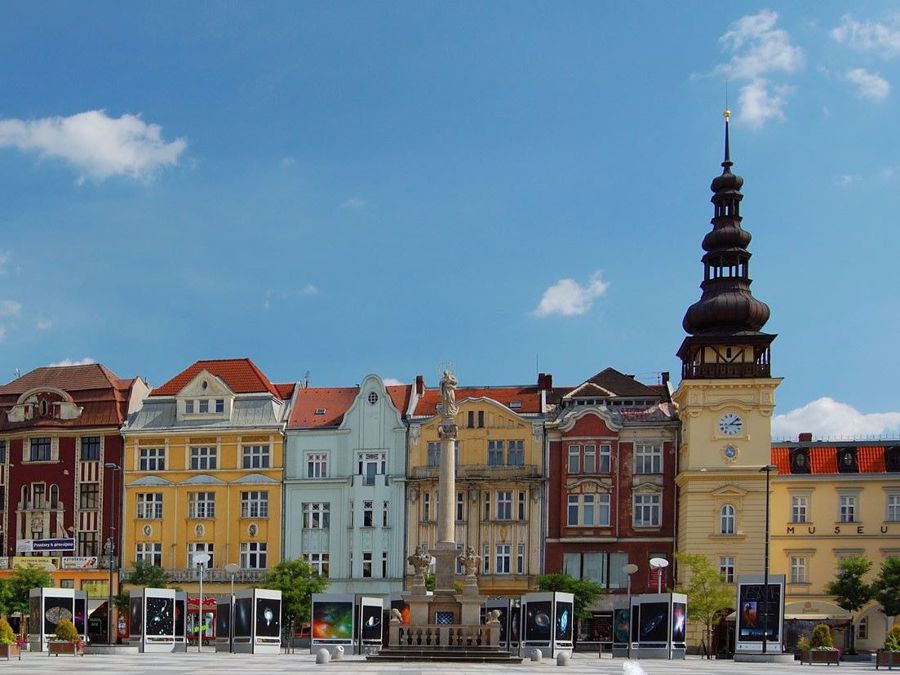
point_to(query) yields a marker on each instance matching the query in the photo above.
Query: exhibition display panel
(256, 621)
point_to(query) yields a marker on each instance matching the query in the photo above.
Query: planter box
(826, 656)
(72, 648)
(886, 658)
(10, 652)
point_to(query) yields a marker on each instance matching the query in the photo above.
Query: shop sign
(4, 563)
(88, 562)
(41, 545)
(49, 564)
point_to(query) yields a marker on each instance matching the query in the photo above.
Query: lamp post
(232, 569)
(109, 548)
(768, 470)
(629, 569)
(200, 560)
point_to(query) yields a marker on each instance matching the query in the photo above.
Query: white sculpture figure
(448, 395)
(493, 617)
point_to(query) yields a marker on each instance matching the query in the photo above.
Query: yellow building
(498, 481)
(203, 474)
(831, 501)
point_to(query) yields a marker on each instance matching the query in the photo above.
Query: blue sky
(345, 188)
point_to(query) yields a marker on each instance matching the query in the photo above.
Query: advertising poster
(756, 616)
(223, 610)
(136, 616)
(160, 619)
(243, 609)
(179, 617)
(515, 624)
(268, 617)
(371, 623)
(55, 610)
(538, 626)
(621, 621)
(654, 622)
(34, 609)
(333, 621)
(80, 615)
(679, 621)
(564, 621)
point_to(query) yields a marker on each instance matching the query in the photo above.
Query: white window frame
(589, 458)
(255, 504)
(377, 461)
(503, 561)
(504, 505)
(727, 519)
(254, 555)
(319, 563)
(434, 454)
(799, 508)
(316, 515)
(573, 464)
(893, 507)
(317, 465)
(847, 508)
(151, 459)
(204, 458)
(648, 458)
(726, 568)
(647, 510)
(149, 552)
(515, 452)
(149, 506)
(200, 547)
(604, 458)
(256, 456)
(520, 558)
(799, 569)
(201, 505)
(495, 452)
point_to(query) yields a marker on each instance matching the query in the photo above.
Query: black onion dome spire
(727, 307)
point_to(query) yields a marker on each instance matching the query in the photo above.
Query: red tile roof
(528, 395)
(285, 389)
(781, 457)
(336, 401)
(823, 459)
(241, 375)
(102, 395)
(870, 459)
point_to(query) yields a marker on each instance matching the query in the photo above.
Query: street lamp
(232, 569)
(200, 560)
(629, 569)
(109, 548)
(768, 470)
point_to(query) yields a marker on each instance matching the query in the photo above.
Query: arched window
(726, 519)
(54, 496)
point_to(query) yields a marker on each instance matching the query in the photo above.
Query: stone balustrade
(435, 636)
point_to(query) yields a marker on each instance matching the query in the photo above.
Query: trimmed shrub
(892, 640)
(65, 630)
(7, 637)
(821, 637)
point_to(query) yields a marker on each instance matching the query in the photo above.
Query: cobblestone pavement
(242, 664)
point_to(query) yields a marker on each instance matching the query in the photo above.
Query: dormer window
(203, 406)
(847, 460)
(800, 460)
(892, 458)
(515, 404)
(220, 405)
(189, 406)
(320, 411)
(43, 407)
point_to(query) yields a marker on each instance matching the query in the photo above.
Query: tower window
(800, 460)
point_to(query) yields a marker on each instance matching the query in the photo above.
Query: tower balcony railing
(699, 371)
(482, 471)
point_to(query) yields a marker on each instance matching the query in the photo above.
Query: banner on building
(4, 563)
(42, 545)
(49, 564)
(88, 562)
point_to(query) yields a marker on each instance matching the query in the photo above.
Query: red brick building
(59, 434)
(611, 496)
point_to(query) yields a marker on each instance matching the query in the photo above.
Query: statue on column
(448, 395)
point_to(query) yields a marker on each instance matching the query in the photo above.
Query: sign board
(42, 545)
(80, 562)
(49, 564)
(4, 563)
(760, 613)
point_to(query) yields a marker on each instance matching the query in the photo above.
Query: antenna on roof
(306, 380)
(18, 373)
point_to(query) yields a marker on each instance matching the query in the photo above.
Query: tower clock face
(731, 424)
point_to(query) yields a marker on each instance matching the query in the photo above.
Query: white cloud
(44, 324)
(847, 179)
(283, 294)
(869, 35)
(10, 308)
(759, 48)
(95, 144)
(2, 332)
(391, 382)
(353, 203)
(69, 362)
(568, 298)
(869, 85)
(761, 101)
(5, 257)
(827, 418)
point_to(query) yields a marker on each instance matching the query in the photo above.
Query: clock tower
(725, 398)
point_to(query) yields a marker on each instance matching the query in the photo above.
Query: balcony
(214, 575)
(482, 471)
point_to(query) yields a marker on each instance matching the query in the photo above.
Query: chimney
(665, 377)
(420, 384)
(806, 437)
(545, 382)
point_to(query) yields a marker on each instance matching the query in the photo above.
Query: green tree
(850, 590)
(586, 592)
(148, 575)
(297, 580)
(886, 587)
(707, 594)
(21, 583)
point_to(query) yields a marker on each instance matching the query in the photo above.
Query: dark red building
(59, 448)
(611, 497)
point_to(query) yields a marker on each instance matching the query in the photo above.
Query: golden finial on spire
(726, 114)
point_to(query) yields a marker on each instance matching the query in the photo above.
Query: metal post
(232, 569)
(200, 614)
(629, 569)
(768, 469)
(110, 549)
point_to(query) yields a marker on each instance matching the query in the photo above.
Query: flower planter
(826, 656)
(886, 658)
(12, 651)
(57, 648)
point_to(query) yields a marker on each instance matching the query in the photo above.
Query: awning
(94, 605)
(810, 617)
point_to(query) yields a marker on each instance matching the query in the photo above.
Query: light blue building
(345, 484)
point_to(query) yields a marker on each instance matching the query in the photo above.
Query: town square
(411, 337)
